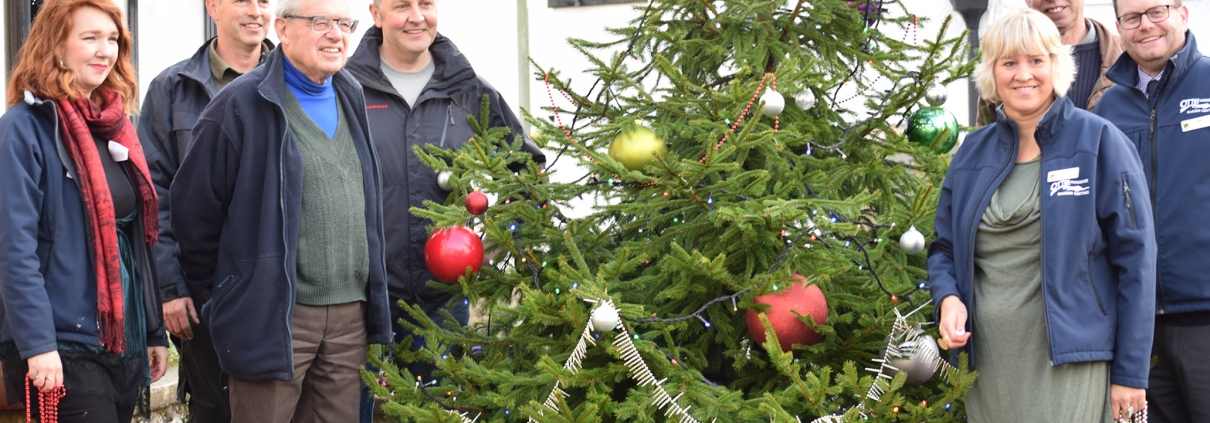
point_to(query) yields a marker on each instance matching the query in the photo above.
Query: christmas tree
(730, 151)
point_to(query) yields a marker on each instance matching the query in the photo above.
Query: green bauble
(929, 126)
(638, 147)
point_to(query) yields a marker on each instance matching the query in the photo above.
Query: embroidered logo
(1063, 183)
(375, 106)
(1195, 105)
(1069, 187)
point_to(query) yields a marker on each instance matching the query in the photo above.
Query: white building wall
(169, 31)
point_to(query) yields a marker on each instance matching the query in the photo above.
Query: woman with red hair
(80, 314)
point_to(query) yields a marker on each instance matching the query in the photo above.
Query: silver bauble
(605, 318)
(936, 95)
(912, 241)
(443, 180)
(919, 360)
(772, 103)
(805, 100)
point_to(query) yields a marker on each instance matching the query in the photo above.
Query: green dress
(1011, 349)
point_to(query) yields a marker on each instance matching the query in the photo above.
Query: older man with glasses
(278, 217)
(1162, 102)
(173, 103)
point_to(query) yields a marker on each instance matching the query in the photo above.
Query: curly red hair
(38, 70)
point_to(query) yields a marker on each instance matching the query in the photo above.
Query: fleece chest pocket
(182, 131)
(455, 129)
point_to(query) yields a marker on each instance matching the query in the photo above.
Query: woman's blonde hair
(1026, 32)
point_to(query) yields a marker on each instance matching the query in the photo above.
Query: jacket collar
(450, 66)
(1124, 72)
(197, 67)
(271, 77)
(1052, 122)
(34, 100)
(48, 107)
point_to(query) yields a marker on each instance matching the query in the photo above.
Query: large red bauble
(802, 298)
(449, 253)
(476, 203)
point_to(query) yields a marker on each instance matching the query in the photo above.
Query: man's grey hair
(294, 7)
(288, 7)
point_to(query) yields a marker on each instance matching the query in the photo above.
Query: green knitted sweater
(333, 251)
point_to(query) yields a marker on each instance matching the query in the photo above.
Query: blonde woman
(1044, 264)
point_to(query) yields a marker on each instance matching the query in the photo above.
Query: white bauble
(443, 180)
(912, 241)
(772, 103)
(605, 318)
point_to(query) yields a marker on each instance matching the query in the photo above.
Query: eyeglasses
(322, 23)
(1155, 15)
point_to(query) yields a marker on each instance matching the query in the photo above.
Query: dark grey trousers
(202, 378)
(1179, 386)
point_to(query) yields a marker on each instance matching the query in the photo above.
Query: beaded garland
(48, 405)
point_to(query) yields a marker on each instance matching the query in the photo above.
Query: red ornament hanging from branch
(452, 252)
(476, 202)
(802, 298)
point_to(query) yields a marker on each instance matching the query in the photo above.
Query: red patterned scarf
(82, 121)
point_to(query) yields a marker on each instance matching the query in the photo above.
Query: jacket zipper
(1134, 223)
(1155, 166)
(449, 113)
(381, 232)
(69, 166)
(1042, 256)
(281, 174)
(969, 301)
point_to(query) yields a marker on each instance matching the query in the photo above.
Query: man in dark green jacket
(173, 103)
(419, 90)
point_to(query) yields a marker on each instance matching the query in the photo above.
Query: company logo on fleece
(1063, 183)
(1195, 105)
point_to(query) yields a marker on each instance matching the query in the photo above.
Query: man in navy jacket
(278, 216)
(173, 103)
(1162, 103)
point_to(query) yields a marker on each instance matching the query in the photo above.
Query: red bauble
(803, 298)
(449, 253)
(476, 203)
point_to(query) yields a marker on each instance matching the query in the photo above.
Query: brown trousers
(329, 349)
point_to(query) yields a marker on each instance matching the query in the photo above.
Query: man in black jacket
(174, 100)
(419, 90)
